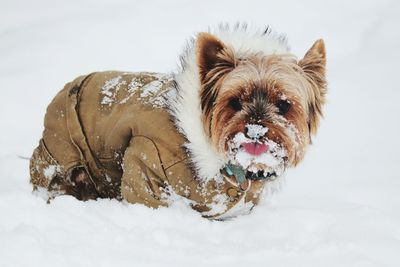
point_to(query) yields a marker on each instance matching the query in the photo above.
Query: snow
(133, 86)
(255, 131)
(50, 171)
(110, 90)
(340, 207)
(152, 91)
(269, 161)
(148, 92)
(240, 209)
(218, 205)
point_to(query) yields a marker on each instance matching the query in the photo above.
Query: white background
(340, 207)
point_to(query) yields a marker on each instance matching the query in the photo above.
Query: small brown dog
(239, 112)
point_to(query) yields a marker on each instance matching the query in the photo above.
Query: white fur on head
(186, 108)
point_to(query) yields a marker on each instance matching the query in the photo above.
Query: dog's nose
(255, 131)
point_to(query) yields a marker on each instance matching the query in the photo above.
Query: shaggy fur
(234, 76)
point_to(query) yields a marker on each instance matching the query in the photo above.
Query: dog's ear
(314, 67)
(214, 60)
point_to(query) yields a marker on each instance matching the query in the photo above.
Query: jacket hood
(185, 106)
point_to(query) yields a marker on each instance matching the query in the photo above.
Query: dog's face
(260, 111)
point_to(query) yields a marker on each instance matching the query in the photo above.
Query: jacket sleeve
(143, 180)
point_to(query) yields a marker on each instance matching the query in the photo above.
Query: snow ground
(341, 207)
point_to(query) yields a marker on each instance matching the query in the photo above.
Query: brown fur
(258, 82)
(215, 61)
(313, 64)
(78, 185)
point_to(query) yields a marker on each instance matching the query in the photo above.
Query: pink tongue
(255, 149)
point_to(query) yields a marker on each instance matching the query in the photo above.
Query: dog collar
(241, 175)
(236, 171)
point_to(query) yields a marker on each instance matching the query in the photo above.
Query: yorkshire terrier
(240, 111)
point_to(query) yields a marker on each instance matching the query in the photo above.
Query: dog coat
(116, 127)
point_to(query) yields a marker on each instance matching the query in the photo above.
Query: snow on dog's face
(257, 154)
(259, 110)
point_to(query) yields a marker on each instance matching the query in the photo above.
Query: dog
(239, 111)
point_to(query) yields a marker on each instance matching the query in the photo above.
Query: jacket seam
(175, 163)
(158, 154)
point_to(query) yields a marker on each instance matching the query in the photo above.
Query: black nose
(254, 131)
(246, 131)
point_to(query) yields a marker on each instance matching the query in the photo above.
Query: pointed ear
(214, 60)
(314, 67)
(314, 62)
(211, 53)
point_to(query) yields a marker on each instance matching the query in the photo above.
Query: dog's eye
(283, 106)
(235, 104)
